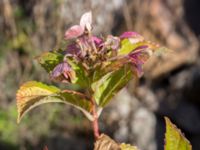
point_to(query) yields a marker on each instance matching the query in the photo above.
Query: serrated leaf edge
(167, 121)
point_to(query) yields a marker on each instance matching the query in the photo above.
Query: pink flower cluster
(91, 50)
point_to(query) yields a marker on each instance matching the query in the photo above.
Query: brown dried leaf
(106, 143)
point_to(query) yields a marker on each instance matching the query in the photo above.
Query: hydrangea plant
(100, 66)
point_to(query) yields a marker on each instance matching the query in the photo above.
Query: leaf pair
(105, 83)
(32, 94)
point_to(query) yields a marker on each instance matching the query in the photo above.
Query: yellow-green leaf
(124, 146)
(32, 94)
(106, 88)
(81, 77)
(49, 60)
(127, 46)
(174, 139)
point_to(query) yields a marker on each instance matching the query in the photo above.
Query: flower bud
(63, 73)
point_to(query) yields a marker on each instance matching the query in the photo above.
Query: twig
(95, 121)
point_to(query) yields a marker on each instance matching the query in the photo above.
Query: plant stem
(95, 121)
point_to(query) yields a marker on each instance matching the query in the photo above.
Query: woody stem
(95, 121)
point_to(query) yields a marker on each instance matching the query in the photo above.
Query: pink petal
(139, 70)
(133, 37)
(62, 72)
(128, 34)
(59, 69)
(112, 42)
(73, 32)
(86, 20)
(97, 40)
(72, 50)
(136, 39)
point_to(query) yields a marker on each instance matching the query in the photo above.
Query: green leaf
(174, 139)
(107, 67)
(81, 77)
(124, 146)
(32, 94)
(127, 46)
(106, 88)
(49, 60)
(77, 99)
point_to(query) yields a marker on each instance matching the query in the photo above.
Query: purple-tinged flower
(86, 21)
(84, 43)
(138, 57)
(133, 37)
(73, 50)
(128, 34)
(73, 32)
(78, 30)
(97, 40)
(63, 72)
(112, 42)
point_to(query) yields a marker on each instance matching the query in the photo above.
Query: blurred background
(170, 86)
